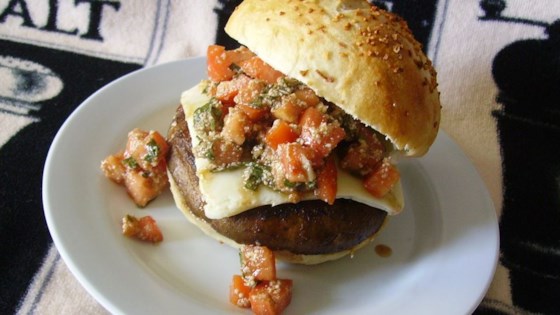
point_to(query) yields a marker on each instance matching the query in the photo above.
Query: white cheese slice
(225, 194)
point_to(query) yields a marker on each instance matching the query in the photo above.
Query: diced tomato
(297, 167)
(146, 148)
(144, 229)
(257, 263)
(329, 140)
(248, 93)
(218, 64)
(113, 167)
(327, 181)
(279, 133)
(364, 155)
(235, 124)
(140, 187)
(271, 297)
(247, 100)
(227, 90)
(225, 152)
(256, 68)
(379, 182)
(163, 146)
(254, 113)
(308, 96)
(288, 109)
(219, 61)
(239, 292)
(315, 158)
(136, 144)
(311, 118)
(317, 133)
(141, 167)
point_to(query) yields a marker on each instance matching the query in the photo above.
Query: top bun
(361, 58)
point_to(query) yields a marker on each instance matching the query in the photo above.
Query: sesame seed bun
(363, 59)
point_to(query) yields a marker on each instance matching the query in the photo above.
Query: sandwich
(293, 140)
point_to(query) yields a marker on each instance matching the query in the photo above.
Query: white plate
(445, 243)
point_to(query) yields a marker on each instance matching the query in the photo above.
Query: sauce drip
(383, 250)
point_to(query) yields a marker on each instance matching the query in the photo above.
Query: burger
(293, 140)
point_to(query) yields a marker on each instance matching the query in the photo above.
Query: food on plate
(141, 167)
(257, 287)
(144, 228)
(293, 140)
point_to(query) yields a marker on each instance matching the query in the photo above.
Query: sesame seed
(324, 76)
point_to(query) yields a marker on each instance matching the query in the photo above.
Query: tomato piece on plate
(379, 182)
(113, 167)
(327, 181)
(257, 263)
(239, 292)
(144, 229)
(271, 297)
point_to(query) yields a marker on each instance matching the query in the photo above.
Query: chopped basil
(209, 154)
(208, 117)
(300, 186)
(288, 85)
(289, 184)
(130, 162)
(255, 175)
(152, 151)
(204, 149)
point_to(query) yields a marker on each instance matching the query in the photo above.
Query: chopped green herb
(130, 162)
(152, 151)
(208, 117)
(255, 174)
(209, 154)
(290, 184)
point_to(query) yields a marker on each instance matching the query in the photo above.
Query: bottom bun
(307, 232)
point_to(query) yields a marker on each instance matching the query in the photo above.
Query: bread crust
(308, 232)
(363, 59)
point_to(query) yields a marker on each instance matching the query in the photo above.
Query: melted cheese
(225, 194)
